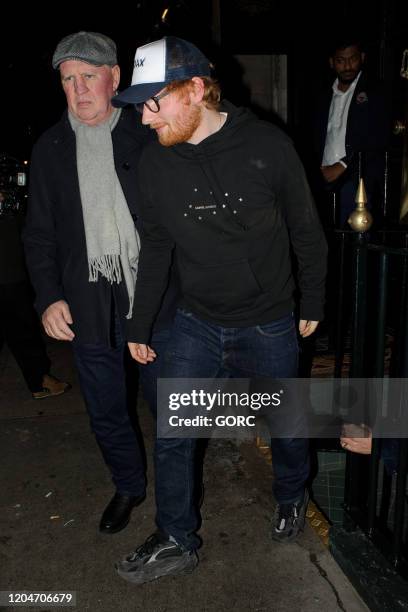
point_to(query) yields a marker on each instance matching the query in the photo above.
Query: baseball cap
(159, 63)
(89, 47)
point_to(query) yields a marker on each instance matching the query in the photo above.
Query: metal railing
(372, 305)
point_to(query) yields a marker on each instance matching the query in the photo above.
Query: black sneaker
(158, 556)
(289, 519)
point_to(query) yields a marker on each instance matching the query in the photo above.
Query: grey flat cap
(90, 47)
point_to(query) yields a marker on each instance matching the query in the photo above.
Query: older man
(229, 193)
(82, 249)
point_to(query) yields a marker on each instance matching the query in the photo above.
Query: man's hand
(56, 319)
(306, 328)
(356, 438)
(141, 352)
(332, 173)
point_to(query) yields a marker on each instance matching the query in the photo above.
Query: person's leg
(150, 372)
(148, 379)
(22, 332)
(271, 351)
(193, 351)
(103, 385)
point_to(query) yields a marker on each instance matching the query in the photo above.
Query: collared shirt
(335, 146)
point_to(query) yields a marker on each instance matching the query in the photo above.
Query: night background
(32, 99)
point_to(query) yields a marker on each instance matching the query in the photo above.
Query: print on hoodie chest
(204, 205)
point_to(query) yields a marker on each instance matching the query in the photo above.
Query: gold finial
(360, 219)
(361, 195)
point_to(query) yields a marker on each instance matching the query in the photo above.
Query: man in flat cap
(82, 250)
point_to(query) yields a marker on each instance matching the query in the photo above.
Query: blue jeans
(199, 349)
(150, 372)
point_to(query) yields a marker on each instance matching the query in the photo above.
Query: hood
(237, 117)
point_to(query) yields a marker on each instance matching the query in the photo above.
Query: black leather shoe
(117, 513)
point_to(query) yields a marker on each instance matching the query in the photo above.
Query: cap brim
(137, 93)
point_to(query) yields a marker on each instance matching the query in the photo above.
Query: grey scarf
(112, 241)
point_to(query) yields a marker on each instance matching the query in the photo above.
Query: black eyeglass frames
(152, 103)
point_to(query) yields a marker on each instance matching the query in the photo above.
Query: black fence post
(359, 306)
(353, 491)
(338, 340)
(397, 540)
(379, 347)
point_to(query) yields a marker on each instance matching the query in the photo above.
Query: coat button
(126, 166)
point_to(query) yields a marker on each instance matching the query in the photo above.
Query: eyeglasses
(152, 103)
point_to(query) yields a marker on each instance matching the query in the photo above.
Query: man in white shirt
(351, 129)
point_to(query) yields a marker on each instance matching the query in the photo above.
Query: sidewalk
(55, 486)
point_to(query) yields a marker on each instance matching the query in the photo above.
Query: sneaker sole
(145, 574)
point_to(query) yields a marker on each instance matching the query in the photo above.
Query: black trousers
(20, 329)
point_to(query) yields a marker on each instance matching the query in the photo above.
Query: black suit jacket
(367, 130)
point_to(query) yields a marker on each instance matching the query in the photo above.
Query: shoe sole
(282, 538)
(153, 573)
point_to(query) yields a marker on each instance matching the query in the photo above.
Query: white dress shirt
(335, 146)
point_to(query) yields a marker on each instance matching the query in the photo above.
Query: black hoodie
(231, 206)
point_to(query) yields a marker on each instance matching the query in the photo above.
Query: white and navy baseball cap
(160, 63)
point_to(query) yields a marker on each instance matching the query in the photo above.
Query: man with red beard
(224, 191)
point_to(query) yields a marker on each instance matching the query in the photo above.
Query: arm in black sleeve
(39, 237)
(153, 270)
(305, 231)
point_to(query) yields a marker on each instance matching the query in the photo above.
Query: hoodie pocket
(220, 287)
